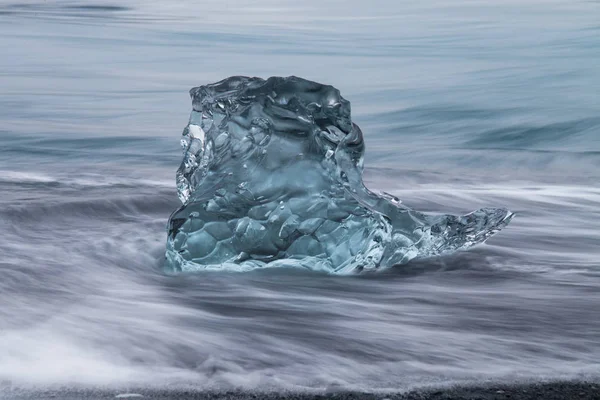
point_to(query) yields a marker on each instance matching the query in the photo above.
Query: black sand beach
(583, 390)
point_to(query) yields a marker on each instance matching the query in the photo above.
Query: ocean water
(463, 104)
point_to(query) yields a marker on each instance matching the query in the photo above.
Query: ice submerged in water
(272, 176)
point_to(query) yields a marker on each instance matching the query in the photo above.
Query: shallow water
(462, 104)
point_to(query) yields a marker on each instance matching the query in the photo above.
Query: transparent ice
(272, 176)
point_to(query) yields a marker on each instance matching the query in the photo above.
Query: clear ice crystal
(272, 176)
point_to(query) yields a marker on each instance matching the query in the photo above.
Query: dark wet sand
(530, 391)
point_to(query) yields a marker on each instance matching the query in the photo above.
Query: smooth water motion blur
(272, 176)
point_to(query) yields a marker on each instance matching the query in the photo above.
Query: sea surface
(463, 104)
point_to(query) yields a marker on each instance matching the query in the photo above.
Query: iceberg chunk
(272, 176)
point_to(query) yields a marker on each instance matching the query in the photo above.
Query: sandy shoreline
(583, 390)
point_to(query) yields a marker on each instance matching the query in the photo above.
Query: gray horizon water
(462, 104)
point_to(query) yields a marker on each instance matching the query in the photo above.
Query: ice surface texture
(272, 176)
